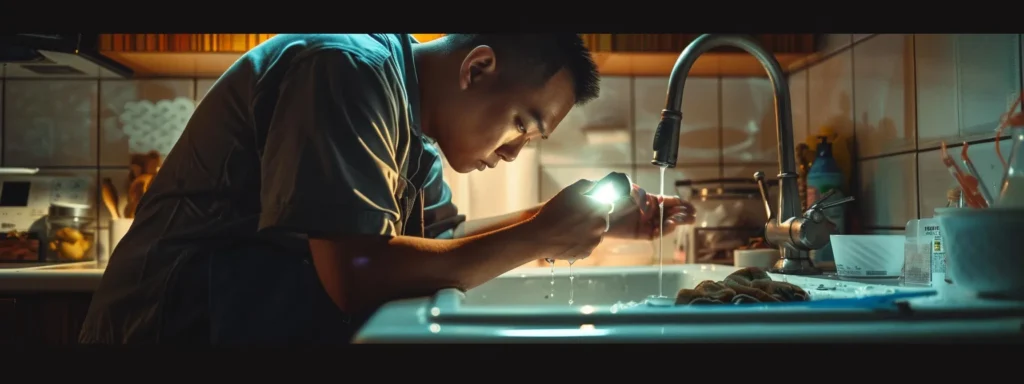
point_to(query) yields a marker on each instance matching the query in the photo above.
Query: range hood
(62, 56)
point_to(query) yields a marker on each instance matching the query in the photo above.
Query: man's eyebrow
(535, 115)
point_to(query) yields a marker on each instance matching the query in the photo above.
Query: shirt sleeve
(329, 165)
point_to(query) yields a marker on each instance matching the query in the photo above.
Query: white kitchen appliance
(25, 199)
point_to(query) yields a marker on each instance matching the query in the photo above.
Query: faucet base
(798, 266)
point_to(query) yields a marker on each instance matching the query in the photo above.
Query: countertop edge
(43, 280)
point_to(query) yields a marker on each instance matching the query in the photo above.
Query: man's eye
(520, 126)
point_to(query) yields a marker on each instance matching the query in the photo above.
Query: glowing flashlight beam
(606, 193)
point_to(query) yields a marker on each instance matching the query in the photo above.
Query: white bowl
(868, 256)
(984, 252)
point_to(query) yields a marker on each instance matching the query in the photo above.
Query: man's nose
(510, 151)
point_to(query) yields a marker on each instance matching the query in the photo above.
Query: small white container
(759, 258)
(868, 256)
(984, 249)
(118, 228)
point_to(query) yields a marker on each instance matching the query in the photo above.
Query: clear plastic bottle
(1011, 192)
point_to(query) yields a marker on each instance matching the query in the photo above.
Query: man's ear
(480, 62)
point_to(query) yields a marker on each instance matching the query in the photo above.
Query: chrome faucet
(794, 233)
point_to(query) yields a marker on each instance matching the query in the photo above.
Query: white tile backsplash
(830, 96)
(888, 190)
(748, 120)
(965, 83)
(597, 133)
(988, 69)
(938, 112)
(699, 133)
(50, 123)
(883, 74)
(138, 116)
(798, 94)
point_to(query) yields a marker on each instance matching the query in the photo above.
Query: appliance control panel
(25, 199)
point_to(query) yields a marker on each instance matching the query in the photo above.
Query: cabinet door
(44, 318)
(7, 321)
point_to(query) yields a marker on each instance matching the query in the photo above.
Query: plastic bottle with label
(824, 176)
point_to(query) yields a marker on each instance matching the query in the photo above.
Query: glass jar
(71, 233)
(1011, 192)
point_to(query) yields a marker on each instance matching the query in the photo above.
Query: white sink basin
(608, 307)
(603, 286)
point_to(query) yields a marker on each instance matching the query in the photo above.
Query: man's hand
(571, 225)
(638, 217)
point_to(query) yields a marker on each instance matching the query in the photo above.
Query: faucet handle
(822, 198)
(839, 202)
(759, 178)
(822, 203)
(815, 228)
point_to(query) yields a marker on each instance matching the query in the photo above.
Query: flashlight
(611, 188)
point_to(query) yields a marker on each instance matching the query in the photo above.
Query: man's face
(483, 121)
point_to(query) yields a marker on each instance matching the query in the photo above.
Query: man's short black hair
(535, 58)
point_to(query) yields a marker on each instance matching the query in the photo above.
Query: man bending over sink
(306, 189)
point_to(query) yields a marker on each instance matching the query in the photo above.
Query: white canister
(760, 258)
(118, 227)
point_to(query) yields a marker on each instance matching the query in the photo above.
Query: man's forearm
(362, 273)
(490, 224)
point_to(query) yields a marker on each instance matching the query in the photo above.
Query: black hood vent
(44, 55)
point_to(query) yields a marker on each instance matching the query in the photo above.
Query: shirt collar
(412, 85)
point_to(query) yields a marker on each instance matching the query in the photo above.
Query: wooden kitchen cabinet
(209, 55)
(7, 321)
(42, 318)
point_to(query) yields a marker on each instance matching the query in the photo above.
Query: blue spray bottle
(824, 176)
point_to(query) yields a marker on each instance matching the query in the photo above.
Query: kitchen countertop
(70, 277)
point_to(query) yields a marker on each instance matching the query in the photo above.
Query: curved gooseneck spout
(793, 234)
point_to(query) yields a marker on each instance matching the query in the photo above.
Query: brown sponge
(748, 285)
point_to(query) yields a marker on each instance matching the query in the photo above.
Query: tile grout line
(3, 118)
(98, 181)
(632, 128)
(720, 127)
(855, 166)
(917, 127)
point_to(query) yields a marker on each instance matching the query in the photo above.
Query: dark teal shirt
(305, 135)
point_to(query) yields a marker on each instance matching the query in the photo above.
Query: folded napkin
(748, 285)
